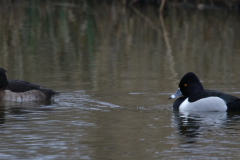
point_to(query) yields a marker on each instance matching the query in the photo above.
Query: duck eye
(185, 85)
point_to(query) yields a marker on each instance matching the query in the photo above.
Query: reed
(187, 4)
(191, 4)
(94, 43)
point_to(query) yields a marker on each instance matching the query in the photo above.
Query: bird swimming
(22, 91)
(195, 98)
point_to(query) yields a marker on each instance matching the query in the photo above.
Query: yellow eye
(185, 85)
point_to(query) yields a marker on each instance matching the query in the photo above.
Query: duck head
(188, 85)
(3, 78)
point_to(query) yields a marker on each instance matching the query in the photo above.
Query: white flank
(213, 104)
(33, 95)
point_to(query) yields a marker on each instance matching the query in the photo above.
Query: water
(115, 68)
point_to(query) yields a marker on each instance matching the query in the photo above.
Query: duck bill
(178, 93)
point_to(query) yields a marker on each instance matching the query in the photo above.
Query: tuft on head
(188, 78)
(2, 70)
(190, 84)
(3, 78)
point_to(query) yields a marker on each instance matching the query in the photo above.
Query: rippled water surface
(115, 67)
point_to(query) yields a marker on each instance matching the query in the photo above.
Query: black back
(211, 93)
(23, 86)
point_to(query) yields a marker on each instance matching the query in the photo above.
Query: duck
(193, 97)
(22, 91)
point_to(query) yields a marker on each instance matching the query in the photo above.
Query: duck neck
(197, 88)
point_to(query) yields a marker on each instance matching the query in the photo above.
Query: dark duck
(195, 98)
(22, 91)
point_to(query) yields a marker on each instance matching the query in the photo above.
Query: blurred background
(108, 45)
(115, 64)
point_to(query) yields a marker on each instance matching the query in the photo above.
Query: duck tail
(49, 93)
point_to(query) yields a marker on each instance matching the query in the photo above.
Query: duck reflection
(17, 108)
(192, 124)
(2, 114)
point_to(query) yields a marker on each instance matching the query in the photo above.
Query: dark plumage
(17, 90)
(193, 95)
(3, 78)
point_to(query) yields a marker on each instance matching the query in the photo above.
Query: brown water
(115, 68)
